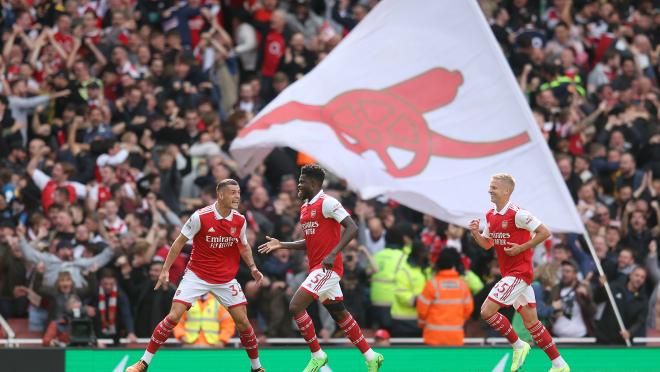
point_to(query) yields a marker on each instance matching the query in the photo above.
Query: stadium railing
(469, 341)
(8, 332)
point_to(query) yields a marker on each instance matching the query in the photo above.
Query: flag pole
(606, 283)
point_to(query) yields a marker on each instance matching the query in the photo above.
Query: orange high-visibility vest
(206, 323)
(443, 307)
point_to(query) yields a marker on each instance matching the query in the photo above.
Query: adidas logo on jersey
(211, 230)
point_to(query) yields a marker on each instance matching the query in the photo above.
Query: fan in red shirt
(274, 44)
(321, 218)
(219, 238)
(509, 229)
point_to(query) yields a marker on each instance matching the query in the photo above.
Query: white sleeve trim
(332, 208)
(485, 233)
(192, 226)
(81, 190)
(527, 221)
(244, 234)
(40, 178)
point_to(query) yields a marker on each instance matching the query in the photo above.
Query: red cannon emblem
(367, 119)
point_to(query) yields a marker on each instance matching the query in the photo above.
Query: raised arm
(481, 239)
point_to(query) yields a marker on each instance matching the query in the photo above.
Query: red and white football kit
(512, 225)
(320, 220)
(212, 268)
(215, 257)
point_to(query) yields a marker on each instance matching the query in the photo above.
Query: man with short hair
(575, 308)
(321, 218)
(219, 235)
(633, 306)
(509, 230)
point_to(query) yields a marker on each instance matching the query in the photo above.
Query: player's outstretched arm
(348, 233)
(485, 243)
(176, 248)
(274, 244)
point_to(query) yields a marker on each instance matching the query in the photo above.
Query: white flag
(418, 104)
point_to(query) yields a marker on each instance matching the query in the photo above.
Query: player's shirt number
(502, 287)
(315, 279)
(235, 290)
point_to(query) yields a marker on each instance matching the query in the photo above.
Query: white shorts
(512, 291)
(323, 285)
(191, 287)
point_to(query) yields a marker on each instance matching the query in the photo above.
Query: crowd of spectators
(117, 117)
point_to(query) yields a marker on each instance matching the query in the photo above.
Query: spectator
(409, 283)
(382, 338)
(205, 324)
(21, 105)
(13, 274)
(277, 268)
(61, 331)
(573, 304)
(273, 51)
(113, 310)
(625, 264)
(354, 282)
(630, 175)
(653, 268)
(445, 304)
(638, 235)
(150, 306)
(60, 175)
(389, 260)
(303, 20)
(63, 261)
(371, 233)
(633, 305)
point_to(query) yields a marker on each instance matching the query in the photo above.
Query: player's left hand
(329, 261)
(513, 249)
(257, 275)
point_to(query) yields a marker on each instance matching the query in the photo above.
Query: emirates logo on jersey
(309, 228)
(505, 224)
(313, 213)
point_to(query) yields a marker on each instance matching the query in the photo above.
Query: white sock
(558, 362)
(318, 354)
(147, 357)
(519, 344)
(369, 355)
(256, 364)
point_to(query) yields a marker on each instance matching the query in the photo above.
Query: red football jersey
(216, 240)
(320, 220)
(273, 52)
(512, 225)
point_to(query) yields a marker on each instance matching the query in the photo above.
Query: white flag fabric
(417, 104)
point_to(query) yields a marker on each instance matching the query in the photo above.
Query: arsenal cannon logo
(368, 119)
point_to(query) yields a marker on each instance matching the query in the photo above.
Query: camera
(81, 332)
(80, 326)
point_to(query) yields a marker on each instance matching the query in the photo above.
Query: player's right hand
(271, 245)
(474, 225)
(163, 279)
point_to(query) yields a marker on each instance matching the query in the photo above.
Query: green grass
(349, 359)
